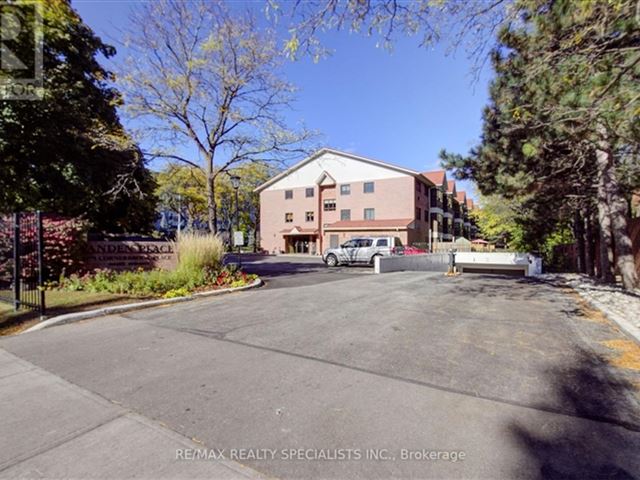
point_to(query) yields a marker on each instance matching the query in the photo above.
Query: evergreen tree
(562, 126)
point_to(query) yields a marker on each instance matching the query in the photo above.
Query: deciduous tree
(207, 84)
(182, 187)
(68, 153)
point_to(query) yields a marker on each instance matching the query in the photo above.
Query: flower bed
(154, 283)
(199, 269)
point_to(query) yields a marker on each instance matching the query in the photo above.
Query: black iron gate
(22, 261)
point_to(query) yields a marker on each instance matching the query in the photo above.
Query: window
(308, 192)
(368, 187)
(425, 189)
(382, 242)
(288, 217)
(288, 194)
(365, 242)
(345, 189)
(350, 244)
(308, 216)
(369, 214)
(330, 205)
(345, 215)
(418, 188)
(426, 215)
(436, 197)
(418, 213)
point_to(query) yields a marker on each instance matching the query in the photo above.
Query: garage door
(495, 271)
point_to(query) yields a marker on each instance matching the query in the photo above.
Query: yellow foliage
(628, 354)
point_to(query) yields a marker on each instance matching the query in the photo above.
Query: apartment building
(461, 216)
(332, 196)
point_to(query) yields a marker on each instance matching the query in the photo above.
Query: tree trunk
(212, 211)
(613, 216)
(622, 241)
(578, 233)
(211, 203)
(255, 239)
(589, 252)
(606, 242)
(191, 215)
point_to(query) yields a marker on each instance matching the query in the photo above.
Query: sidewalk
(54, 429)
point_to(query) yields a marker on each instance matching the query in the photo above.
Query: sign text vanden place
(128, 254)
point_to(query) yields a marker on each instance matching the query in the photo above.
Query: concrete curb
(629, 329)
(623, 324)
(101, 312)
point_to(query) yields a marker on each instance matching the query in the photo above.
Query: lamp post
(235, 183)
(179, 214)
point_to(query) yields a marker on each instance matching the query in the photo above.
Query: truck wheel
(332, 260)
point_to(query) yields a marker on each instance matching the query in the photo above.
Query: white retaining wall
(431, 262)
(439, 262)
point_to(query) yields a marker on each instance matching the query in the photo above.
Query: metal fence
(22, 261)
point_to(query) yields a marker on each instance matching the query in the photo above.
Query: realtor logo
(21, 50)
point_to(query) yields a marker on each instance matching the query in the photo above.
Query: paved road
(512, 373)
(291, 270)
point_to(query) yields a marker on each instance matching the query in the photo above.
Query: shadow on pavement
(503, 286)
(590, 388)
(275, 269)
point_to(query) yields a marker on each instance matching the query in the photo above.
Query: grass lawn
(58, 302)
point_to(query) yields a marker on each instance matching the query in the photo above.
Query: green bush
(177, 292)
(149, 283)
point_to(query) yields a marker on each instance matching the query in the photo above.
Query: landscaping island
(199, 269)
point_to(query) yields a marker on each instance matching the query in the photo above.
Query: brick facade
(333, 196)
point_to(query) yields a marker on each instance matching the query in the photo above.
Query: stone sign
(131, 254)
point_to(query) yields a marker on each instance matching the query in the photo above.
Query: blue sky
(401, 106)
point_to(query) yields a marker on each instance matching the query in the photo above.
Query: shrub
(6, 249)
(154, 283)
(199, 252)
(64, 244)
(72, 283)
(176, 292)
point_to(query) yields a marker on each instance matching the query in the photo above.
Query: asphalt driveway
(513, 373)
(298, 270)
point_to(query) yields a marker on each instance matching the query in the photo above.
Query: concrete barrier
(481, 262)
(499, 261)
(430, 262)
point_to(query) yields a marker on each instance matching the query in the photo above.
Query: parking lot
(515, 373)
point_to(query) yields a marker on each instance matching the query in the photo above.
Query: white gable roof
(342, 167)
(325, 180)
